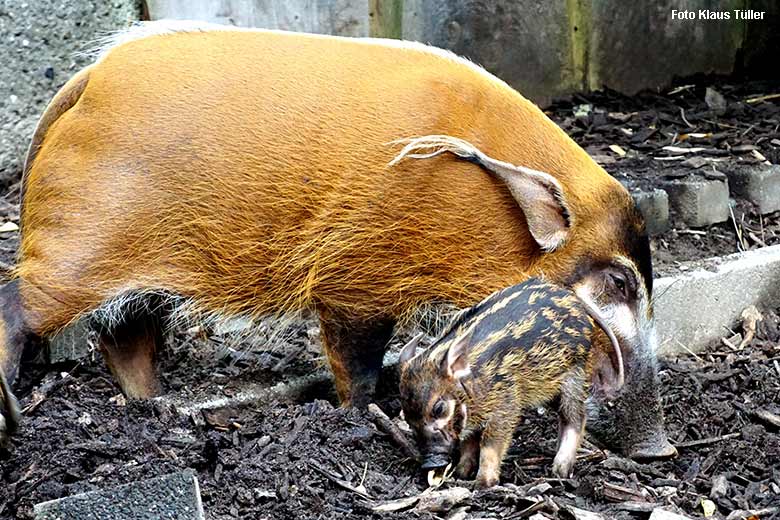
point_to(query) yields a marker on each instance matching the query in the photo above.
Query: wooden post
(385, 18)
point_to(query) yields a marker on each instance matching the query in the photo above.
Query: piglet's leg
(571, 423)
(493, 446)
(469, 454)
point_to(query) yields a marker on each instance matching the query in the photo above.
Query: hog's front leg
(469, 454)
(571, 423)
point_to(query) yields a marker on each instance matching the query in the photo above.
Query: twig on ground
(708, 440)
(759, 99)
(384, 423)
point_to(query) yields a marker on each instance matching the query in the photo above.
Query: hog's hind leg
(15, 336)
(571, 423)
(29, 313)
(130, 344)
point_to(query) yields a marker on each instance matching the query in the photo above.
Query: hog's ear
(538, 194)
(456, 361)
(409, 350)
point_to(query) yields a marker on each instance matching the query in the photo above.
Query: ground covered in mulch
(312, 459)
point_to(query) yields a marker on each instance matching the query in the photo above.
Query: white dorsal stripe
(139, 30)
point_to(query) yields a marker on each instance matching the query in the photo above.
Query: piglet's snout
(437, 449)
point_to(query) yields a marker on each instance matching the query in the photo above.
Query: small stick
(768, 417)
(709, 440)
(358, 490)
(762, 98)
(384, 423)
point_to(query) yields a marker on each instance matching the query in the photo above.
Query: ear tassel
(429, 146)
(529, 187)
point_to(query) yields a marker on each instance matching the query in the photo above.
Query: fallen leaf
(758, 155)
(681, 150)
(617, 149)
(582, 111)
(694, 162)
(581, 514)
(8, 227)
(708, 507)
(396, 505)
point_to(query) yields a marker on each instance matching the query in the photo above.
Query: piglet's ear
(607, 380)
(456, 361)
(409, 350)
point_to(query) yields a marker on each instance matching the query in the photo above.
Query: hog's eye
(618, 281)
(439, 409)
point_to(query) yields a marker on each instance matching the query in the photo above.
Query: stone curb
(693, 308)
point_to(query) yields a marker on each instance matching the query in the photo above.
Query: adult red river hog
(242, 172)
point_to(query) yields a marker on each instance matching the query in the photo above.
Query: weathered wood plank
(385, 18)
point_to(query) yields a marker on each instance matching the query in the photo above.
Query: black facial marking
(638, 249)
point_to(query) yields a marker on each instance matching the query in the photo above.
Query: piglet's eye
(439, 409)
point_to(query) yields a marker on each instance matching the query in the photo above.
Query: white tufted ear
(538, 194)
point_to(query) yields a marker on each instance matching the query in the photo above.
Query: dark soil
(278, 460)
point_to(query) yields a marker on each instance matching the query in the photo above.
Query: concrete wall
(38, 42)
(527, 43)
(341, 17)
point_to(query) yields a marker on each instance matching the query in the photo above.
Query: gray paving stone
(759, 184)
(654, 206)
(698, 203)
(72, 344)
(171, 497)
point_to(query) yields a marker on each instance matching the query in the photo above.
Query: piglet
(521, 347)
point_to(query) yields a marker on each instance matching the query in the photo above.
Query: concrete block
(654, 206)
(697, 202)
(72, 344)
(760, 184)
(39, 46)
(644, 47)
(528, 44)
(171, 497)
(692, 308)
